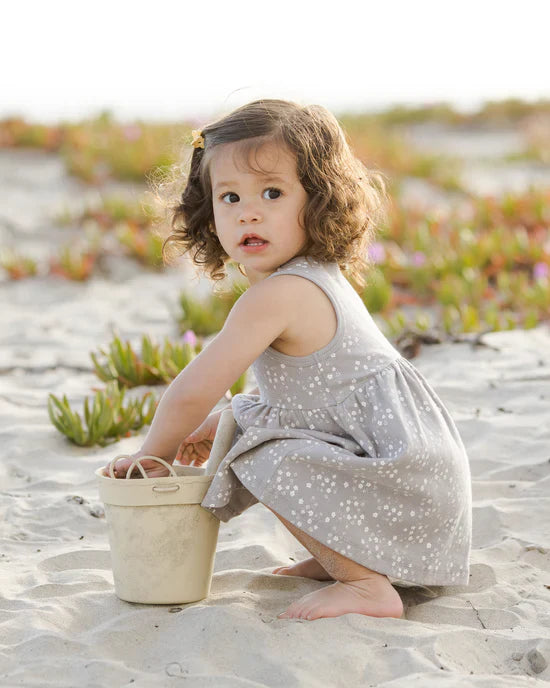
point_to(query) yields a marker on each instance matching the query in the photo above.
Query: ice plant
(176, 356)
(238, 386)
(17, 266)
(73, 264)
(154, 367)
(377, 293)
(141, 244)
(106, 421)
(205, 316)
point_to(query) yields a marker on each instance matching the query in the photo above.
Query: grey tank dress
(352, 446)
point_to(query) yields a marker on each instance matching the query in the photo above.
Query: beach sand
(61, 623)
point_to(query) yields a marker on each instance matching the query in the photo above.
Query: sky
(170, 61)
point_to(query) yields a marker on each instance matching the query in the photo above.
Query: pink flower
(540, 271)
(377, 252)
(189, 337)
(131, 132)
(418, 258)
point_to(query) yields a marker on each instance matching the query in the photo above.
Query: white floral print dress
(352, 446)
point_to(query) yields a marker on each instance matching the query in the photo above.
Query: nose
(249, 214)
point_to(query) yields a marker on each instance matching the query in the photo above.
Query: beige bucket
(162, 541)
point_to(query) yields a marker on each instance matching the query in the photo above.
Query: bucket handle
(136, 462)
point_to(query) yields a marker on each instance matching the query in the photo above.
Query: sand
(63, 626)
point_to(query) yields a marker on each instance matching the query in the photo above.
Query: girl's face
(268, 205)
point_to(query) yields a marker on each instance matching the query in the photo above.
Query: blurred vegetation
(483, 265)
(207, 316)
(464, 272)
(385, 148)
(16, 265)
(100, 148)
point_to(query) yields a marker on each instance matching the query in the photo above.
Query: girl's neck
(255, 276)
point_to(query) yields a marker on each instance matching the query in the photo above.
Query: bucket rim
(198, 477)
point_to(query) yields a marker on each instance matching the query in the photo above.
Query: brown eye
(227, 195)
(273, 190)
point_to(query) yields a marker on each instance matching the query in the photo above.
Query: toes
(290, 613)
(306, 614)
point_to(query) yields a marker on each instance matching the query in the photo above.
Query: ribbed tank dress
(354, 447)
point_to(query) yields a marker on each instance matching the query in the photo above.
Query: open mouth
(253, 242)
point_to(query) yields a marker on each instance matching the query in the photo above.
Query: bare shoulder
(289, 293)
(311, 319)
(288, 286)
(272, 295)
(267, 304)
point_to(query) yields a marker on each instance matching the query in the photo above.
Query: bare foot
(372, 596)
(310, 568)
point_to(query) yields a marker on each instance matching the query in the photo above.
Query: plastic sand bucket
(162, 541)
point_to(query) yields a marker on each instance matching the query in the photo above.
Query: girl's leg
(309, 568)
(339, 567)
(357, 589)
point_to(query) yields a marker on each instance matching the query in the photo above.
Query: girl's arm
(260, 316)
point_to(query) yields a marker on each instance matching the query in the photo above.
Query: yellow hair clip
(198, 138)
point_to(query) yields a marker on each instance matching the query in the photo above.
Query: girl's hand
(195, 448)
(154, 469)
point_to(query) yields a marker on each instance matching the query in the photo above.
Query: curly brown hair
(345, 200)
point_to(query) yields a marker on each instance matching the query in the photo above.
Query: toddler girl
(343, 440)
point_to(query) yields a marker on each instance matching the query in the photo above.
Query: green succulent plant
(16, 265)
(141, 244)
(377, 293)
(207, 316)
(155, 367)
(106, 421)
(239, 385)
